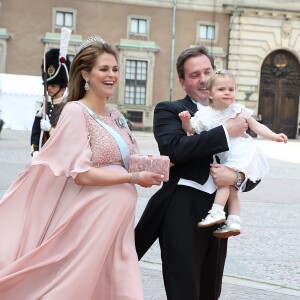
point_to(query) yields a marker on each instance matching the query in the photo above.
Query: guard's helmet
(57, 69)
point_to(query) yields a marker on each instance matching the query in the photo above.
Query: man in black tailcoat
(192, 258)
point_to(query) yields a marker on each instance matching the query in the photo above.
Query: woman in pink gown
(67, 222)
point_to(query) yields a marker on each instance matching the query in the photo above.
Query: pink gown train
(62, 241)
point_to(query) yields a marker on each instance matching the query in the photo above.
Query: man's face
(196, 70)
(52, 89)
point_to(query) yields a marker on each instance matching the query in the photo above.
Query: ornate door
(279, 92)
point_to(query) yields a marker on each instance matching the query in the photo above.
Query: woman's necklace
(99, 111)
(106, 113)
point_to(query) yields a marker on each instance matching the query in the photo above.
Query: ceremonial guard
(55, 69)
(1, 125)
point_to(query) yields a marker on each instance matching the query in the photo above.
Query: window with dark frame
(135, 82)
(207, 32)
(138, 26)
(64, 19)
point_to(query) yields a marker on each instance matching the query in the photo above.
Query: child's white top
(207, 117)
(243, 155)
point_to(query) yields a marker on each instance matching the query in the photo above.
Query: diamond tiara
(92, 40)
(221, 71)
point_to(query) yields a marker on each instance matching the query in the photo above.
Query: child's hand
(184, 116)
(281, 138)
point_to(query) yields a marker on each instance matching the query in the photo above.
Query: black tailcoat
(192, 156)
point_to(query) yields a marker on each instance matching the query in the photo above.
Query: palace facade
(259, 41)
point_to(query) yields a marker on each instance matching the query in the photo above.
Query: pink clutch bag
(154, 163)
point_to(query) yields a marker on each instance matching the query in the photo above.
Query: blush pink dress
(63, 241)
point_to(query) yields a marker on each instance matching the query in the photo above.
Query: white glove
(45, 124)
(35, 153)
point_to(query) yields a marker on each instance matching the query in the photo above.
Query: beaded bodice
(105, 150)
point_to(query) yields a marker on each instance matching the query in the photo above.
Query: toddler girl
(243, 155)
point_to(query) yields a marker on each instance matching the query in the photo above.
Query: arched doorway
(279, 92)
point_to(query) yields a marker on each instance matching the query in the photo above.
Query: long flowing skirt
(62, 241)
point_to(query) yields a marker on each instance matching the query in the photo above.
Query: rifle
(44, 134)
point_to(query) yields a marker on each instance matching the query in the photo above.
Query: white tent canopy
(18, 95)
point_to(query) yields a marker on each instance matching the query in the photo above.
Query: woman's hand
(147, 179)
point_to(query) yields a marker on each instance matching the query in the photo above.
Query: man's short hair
(192, 52)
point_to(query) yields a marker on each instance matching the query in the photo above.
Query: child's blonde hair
(212, 78)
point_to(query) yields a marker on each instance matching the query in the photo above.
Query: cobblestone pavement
(262, 263)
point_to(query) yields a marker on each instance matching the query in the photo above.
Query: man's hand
(237, 127)
(222, 175)
(45, 124)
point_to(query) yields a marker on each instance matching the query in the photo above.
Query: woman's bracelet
(135, 177)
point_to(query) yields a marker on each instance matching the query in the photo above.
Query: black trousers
(193, 259)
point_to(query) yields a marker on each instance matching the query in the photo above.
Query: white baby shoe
(215, 216)
(229, 229)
